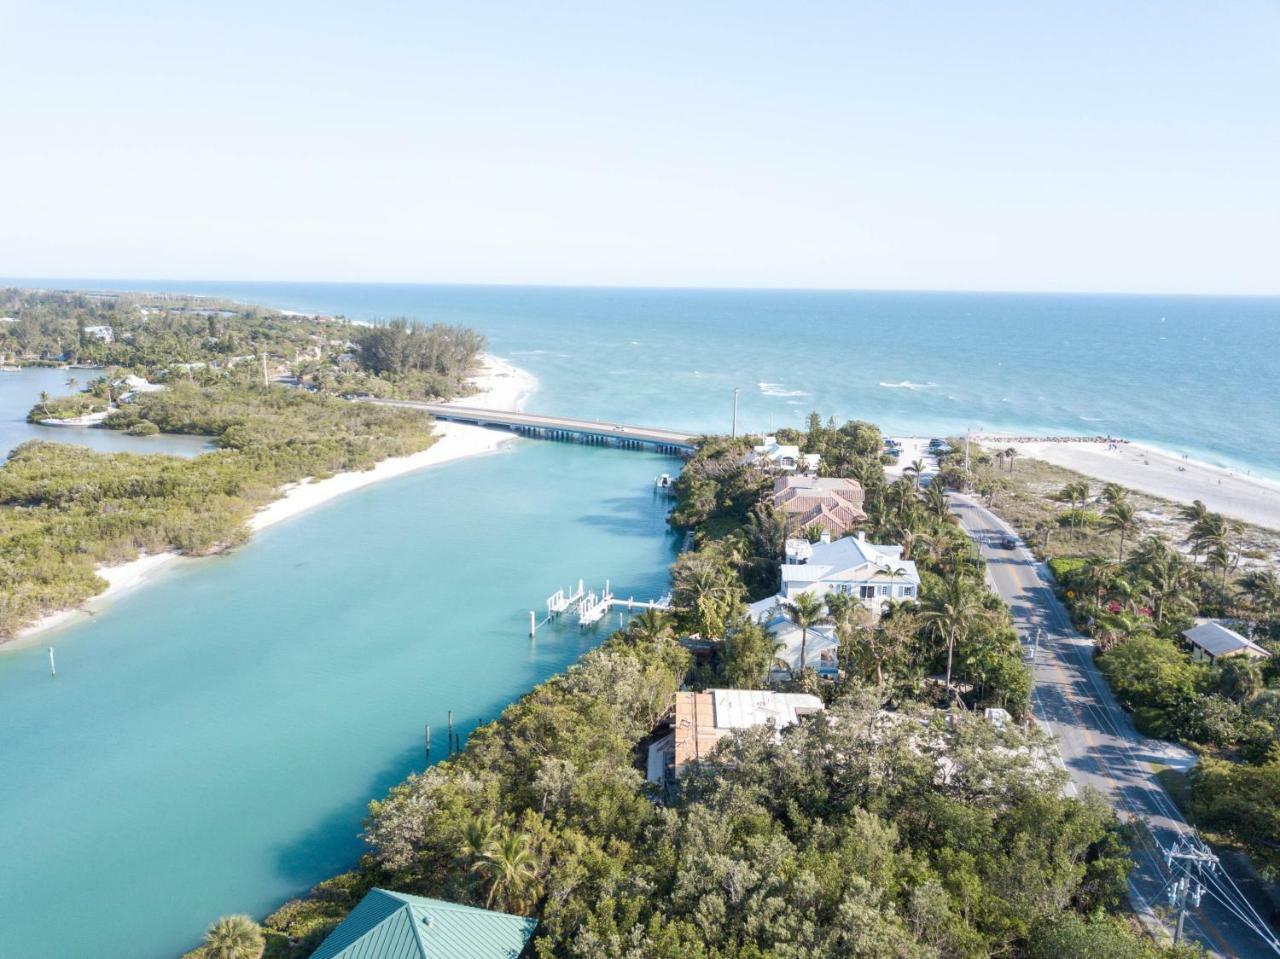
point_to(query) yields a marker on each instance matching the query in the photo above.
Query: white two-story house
(873, 573)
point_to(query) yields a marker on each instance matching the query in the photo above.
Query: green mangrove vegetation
(261, 385)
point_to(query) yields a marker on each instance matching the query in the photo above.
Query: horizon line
(18, 282)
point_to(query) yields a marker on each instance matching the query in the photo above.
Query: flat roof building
(700, 720)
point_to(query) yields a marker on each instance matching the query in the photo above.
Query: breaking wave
(779, 389)
(908, 385)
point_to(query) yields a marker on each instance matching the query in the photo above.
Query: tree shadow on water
(333, 844)
(643, 514)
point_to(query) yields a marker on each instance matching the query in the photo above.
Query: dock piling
(53, 667)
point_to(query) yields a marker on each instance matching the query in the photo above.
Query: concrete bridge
(671, 442)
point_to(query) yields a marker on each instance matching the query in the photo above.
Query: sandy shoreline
(500, 386)
(1149, 470)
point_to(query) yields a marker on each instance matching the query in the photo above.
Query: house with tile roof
(394, 925)
(872, 573)
(829, 503)
(1211, 641)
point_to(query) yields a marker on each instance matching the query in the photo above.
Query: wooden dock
(591, 607)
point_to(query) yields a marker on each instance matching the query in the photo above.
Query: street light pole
(734, 433)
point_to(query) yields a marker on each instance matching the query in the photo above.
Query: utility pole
(1188, 857)
(966, 450)
(265, 381)
(734, 433)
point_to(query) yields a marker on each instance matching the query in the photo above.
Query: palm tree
(1263, 589)
(891, 635)
(708, 590)
(1120, 517)
(651, 628)
(847, 613)
(1099, 575)
(1167, 580)
(1077, 494)
(1114, 493)
(952, 612)
(1193, 514)
(914, 470)
(806, 611)
(1120, 626)
(478, 835)
(512, 870)
(1010, 455)
(935, 501)
(234, 937)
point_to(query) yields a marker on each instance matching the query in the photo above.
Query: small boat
(664, 481)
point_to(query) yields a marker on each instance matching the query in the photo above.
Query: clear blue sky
(1003, 145)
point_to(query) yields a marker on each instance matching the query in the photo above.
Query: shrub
(1064, 566)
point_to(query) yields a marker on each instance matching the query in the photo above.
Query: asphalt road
(1099, 745)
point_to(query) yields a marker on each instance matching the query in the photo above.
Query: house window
(844, 588)
(884, 590)
(908, 591)
(866, 592)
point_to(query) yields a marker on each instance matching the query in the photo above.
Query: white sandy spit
(1228, 491)
(500, 386)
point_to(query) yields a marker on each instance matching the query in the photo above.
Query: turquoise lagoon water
(1195, 375)
(20, 390)
(211, 741)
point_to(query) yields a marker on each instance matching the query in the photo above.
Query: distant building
(103, 333)
(393, 925)
(851, 566)
(132, 385)
(826, 503)
(782, 456)
(1211, 641)
(700, 720)
(821, 647)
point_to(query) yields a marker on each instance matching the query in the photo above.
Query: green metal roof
(393, 925)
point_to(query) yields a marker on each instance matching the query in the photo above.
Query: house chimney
(824, 536)
(862, 536)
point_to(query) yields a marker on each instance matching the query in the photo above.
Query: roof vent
(426, 921)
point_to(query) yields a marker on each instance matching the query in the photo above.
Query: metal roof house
(394, 925)
(821, 647)
(1211, 641)
(872, 573)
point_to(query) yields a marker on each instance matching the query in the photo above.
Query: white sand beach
(1149, 470)
(499, 385)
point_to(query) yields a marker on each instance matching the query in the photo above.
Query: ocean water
(1194, 375)
(212, 740)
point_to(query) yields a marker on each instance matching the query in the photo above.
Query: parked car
(1008, 542)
